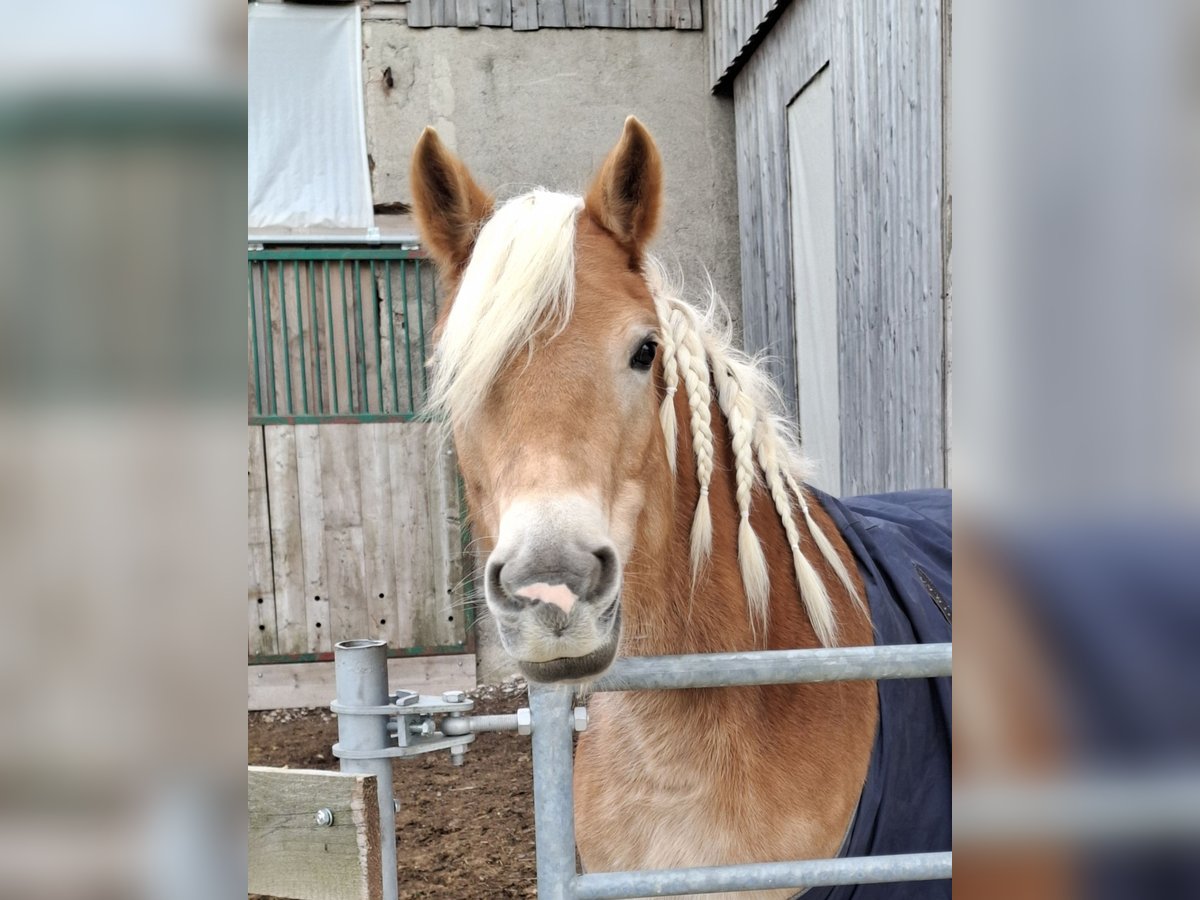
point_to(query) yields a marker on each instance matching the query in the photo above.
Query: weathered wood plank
(664, 13)
(595, 13)
(443, 619)
(443, 13)
(467, 13)
(312, 536)
(412, 514)
(688, 15)
(420, 13)
(890, 244)
(290, 855)
(348, 613)
(342, 497)
(287, 558)
(276, 387)
(379, 560)
(606, 13)
(309, 685)
(370, 305)
(524, 15)
(254, 327)
(261, 580)
(573, 13)
(496, 13)
(343, 363)
(551, 14)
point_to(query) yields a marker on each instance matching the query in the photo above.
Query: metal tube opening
(358, 644)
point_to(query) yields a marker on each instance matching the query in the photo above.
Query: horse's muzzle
(576, 668)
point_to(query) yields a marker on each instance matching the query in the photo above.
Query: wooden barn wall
(530, 15)
(885, 57)
(793, 52)
(353, 532)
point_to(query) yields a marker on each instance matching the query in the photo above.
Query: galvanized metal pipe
(762, 876)
(705, 670)
(553, 797)
(455, 725)
(360, 674)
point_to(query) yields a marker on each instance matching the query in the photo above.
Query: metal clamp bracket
(415, 747)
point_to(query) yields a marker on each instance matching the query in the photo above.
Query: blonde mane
(521, 278)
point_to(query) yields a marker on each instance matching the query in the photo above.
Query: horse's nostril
(495, 586)
(606, 572)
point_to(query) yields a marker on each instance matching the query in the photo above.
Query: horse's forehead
(607, 287)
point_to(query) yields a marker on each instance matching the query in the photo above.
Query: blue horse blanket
(902, 544)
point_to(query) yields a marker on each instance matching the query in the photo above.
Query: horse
(638, 491)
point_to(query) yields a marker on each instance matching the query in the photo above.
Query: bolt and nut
(580, 718)
(324, 817)
(524, 721)
(423, 728)
(453, 696)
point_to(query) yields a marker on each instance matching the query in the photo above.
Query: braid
(670, 369)
(691, 357)
(826, 548)
(812, 589)
(740, 414)
(746, 398)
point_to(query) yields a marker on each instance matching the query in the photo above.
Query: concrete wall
(525, 109)
(543, 108)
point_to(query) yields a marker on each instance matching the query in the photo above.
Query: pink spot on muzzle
(558, 594)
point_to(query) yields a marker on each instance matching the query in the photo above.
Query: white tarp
(307, 137)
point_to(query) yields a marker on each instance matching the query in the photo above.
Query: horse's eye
(644, 357)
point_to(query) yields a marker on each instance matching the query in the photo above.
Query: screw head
(324, 817)
(453, 696)
(407, 698)
(395, 805)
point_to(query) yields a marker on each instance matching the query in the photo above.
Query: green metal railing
(338, 334)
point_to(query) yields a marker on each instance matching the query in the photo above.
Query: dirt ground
(463, 833)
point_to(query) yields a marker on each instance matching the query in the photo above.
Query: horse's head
(547, 369)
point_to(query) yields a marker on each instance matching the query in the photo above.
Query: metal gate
(376, 726)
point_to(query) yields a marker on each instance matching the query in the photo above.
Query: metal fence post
(360, 673)
(553, 790)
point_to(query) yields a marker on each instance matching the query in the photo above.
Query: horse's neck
(671, 611)
(750, 793)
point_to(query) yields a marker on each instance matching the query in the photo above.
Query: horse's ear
(449, 205)
(626, 196)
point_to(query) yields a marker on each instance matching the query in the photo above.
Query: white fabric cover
(307, 137)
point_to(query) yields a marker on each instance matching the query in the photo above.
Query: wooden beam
(300, 685)
(291, 855)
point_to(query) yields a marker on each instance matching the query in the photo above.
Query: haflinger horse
(640, 494)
